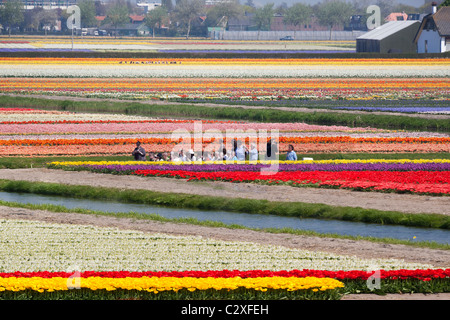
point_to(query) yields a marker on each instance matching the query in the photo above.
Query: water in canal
(244, 219)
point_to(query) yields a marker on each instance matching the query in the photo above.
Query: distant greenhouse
(392, 37)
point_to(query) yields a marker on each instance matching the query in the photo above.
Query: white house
(434, 32)
(147, 6)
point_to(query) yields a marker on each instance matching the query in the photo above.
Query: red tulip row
(429, 182)
(420, 274)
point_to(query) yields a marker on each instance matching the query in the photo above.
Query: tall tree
(47, 19)
(62, 16)
(281, 8)
(11, 15)
(334, 13)
(117, 15)
(223, 12)
(386, 7)
(87, 12)
(263, 17)
(31, 19)
(167, 4)
(249, 3)
(298, 14)
(360, 6)
(186, 11)
(156, 17)
(100, 8)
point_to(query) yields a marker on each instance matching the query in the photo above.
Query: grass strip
(251, 206)
(183, 294)
(397, 122)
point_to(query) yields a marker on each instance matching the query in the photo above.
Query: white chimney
(433, 7)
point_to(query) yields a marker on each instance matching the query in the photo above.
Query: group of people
(139, 154)
(149, 62)
(239, 152)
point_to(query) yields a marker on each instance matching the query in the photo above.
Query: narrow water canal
(244, 219)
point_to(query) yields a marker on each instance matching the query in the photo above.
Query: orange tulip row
(159, 84)
(304, 148)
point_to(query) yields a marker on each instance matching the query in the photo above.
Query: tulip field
(178, 267)
(228, 79)
(128, 264)
(421, 177)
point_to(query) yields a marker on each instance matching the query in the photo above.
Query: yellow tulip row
(338, 161)
(239, 61)
(158, 284)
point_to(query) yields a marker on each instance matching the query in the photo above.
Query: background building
(392, 37)
(434, 32)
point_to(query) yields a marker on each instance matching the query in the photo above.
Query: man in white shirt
(240, 151)
(253, 154)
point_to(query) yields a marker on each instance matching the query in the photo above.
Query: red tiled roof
(100, 18)
(137, 17)
(393, 16)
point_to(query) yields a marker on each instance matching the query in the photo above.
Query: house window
(429, 25)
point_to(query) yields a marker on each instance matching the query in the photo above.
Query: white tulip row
(223, 71)
(29, 246)
(66, 116)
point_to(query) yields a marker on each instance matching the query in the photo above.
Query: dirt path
(292, 109)
(412, 296)
(407, 203)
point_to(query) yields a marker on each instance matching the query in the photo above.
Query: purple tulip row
(41, 50)
(399, 109)
(282, 167)
(258, 51)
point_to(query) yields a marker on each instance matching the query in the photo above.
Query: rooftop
(137, 17)
(442, 20)
(387, 29)
(397, 16)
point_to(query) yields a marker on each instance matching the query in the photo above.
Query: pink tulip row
(63, 128)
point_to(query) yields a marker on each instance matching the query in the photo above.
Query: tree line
(193, 17)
